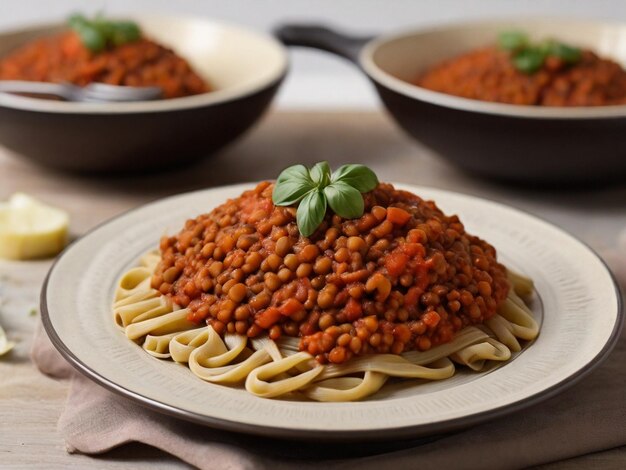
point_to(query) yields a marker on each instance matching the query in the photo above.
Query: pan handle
(321, 37)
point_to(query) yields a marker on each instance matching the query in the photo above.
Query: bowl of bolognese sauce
(216, 79)
(549, 110)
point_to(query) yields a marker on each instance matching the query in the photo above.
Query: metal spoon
(93, 93)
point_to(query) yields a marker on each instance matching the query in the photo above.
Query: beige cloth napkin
(588, 417)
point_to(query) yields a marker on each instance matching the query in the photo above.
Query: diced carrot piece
(289, 307)
(397, 216)
(267, 317)
(353, 309)
(395, 263)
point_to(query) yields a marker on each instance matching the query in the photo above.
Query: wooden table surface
(31, 403)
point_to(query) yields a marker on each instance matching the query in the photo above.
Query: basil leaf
(98, 33)
(529, 60)
(317, 188)
(567, 54)
(124, 32)
(345, 200)
(320, 174)
(91, 38)
(512, 40)
(77, 20)
(292, 184)
(101, 24)
(311, 212)
(359, 177)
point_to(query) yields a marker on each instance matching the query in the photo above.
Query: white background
(319, 80)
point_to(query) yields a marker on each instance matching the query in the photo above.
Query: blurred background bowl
(244, 67)
(522, 144)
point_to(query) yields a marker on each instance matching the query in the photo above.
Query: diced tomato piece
(194, 317)
(412, 296)
(397, 216)
(267, 317)
(290, 306)
(395, 263)
(71, 46)
(446, 333)
(353, 309)
(254, 209)
(410, 249)
(413, 249)
(415, 236)
(402, 333)
(307, 329)
(421, 275)
(431, 318)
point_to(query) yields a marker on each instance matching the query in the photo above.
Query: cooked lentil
(403, 276)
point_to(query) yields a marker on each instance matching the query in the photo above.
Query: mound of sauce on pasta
(488, 74)
(404, 276)
(64, 58)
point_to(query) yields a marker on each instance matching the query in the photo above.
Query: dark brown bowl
(523, 144)
(245, 67)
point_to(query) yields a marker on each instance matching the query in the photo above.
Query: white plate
(577, 304)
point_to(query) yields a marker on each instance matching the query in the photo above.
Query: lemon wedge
(5, 344)
(30, 229)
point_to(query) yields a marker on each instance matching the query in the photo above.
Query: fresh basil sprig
(99, 33)
(528, 57)
(317, 188)
(513, 40)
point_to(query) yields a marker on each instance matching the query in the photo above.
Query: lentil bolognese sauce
(403, 276)
(519, 72)
(400, 282)
(114, 53)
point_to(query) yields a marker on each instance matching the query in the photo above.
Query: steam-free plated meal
(324, 285)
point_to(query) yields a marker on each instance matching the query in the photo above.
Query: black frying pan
(528, 144)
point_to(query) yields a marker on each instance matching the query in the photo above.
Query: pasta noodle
(271, 369)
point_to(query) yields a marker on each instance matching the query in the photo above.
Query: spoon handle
(37, 88)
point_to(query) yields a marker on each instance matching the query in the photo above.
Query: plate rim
(403, 432)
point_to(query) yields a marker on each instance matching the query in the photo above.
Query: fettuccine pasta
(270, 369)
(257, 294)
